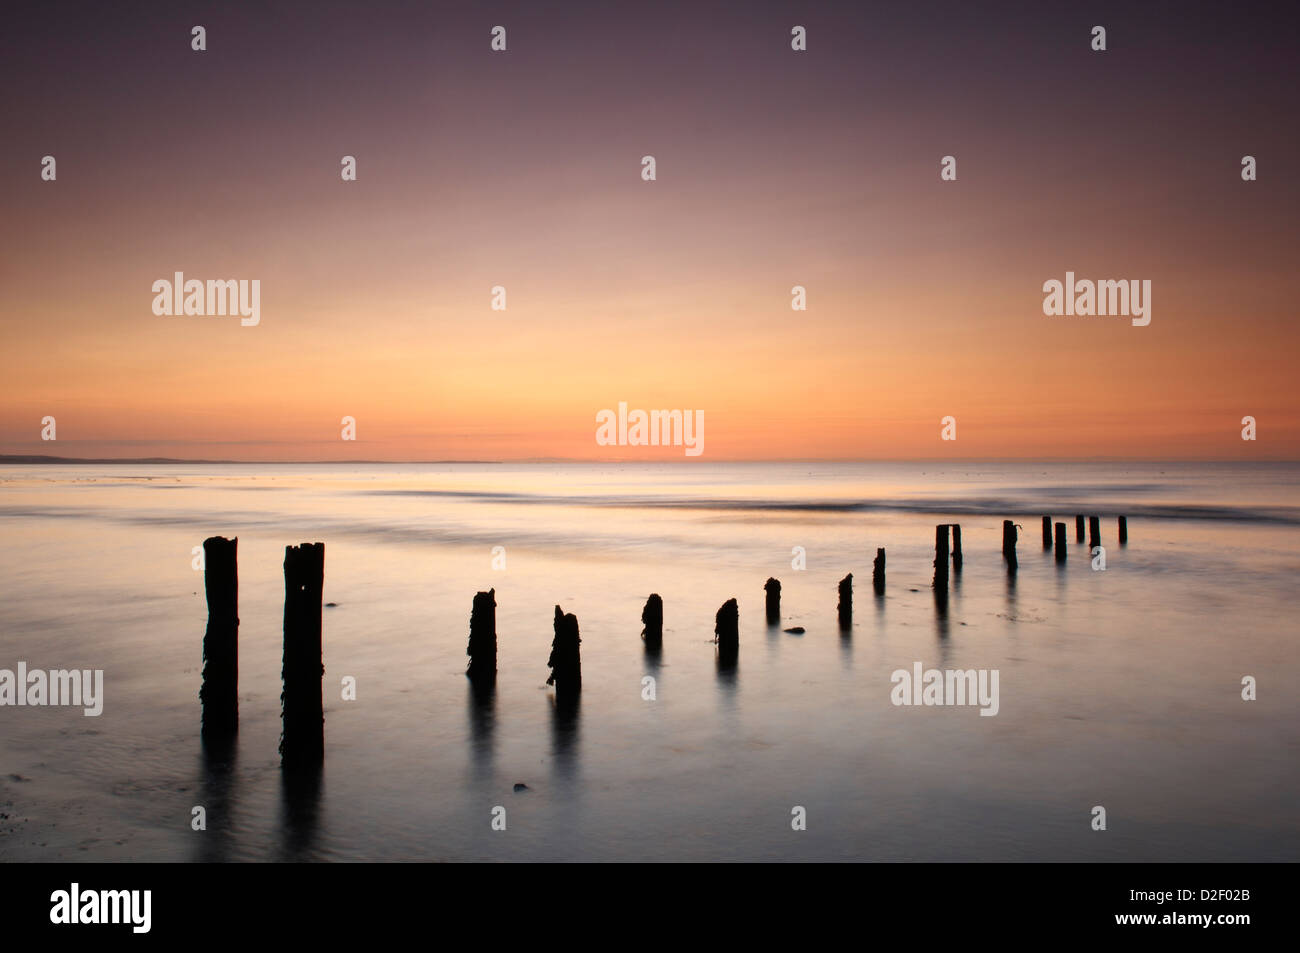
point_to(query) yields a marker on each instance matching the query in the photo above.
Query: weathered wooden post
(1078, 529)
(941, 557)
(482, 648)
(1047, 532)
(1009, 545)
(652, 617)
(773, 589)
(727, 630)
(956, 548)
(1094, 532)
(302, 703)
(565, 661)
(219, 694)
(1123, 530)
(878, 572)
(844, 609)
(1060, 542)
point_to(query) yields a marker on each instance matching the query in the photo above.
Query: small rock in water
(331, 605)
(521, 787)
(796, 630)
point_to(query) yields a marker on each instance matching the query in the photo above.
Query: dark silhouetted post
(652, 617)
(565, 660)
(219, 695)
(1009, 545)
(482, 648)
(1094, 532)
(956, 548)
(941, 557)
(773, 589)
(1123, 529)
(878, 572)
(1047, 532)
(727, 629)
(302, 702)
(845, 607)
(1078, 529)
(1060, 542)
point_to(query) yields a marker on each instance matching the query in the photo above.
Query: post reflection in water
(217, 796)
(300, 795)
(482, 706)
(565, 748)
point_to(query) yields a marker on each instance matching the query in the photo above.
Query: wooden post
(845, 607)
(1047, 532)
(773, 589)
(565, 660)
(1078, 529)
(652, 616)
(956, 548)
(878, 572)
(1009, 545)
(482, 648)
(727, 629)
(219, 694)
(1123, 530)
(941, 557)
(1060, 542)
(1094, 532)
(302, 702)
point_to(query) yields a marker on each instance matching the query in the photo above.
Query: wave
(1005, 507)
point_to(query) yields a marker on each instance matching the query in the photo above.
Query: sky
(523, 169)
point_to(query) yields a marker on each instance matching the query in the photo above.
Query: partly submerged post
(956, 548)
(727, 630)
(941, 557)
(565, 660)
(878, 572)
(219, 695)
(1060, 542)
(1123, 529)
(1009, 545)
(1047, 532)
(773, 589)
(652, 617)
(1094, 532)
(302, 702)
(845, 607)
(1078, 529)
(482, 648)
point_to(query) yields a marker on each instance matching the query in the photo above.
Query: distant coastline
(33, 459)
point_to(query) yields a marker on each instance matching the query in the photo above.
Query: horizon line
(8, 459)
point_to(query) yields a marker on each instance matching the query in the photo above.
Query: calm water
(1118, 688)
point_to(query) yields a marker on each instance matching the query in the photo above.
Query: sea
(1155, 681)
